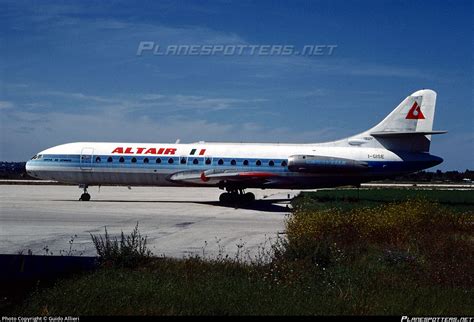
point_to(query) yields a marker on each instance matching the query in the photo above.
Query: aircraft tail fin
(414, 114)
(409, 126)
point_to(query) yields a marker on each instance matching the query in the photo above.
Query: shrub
(428, 238)
(129, 251)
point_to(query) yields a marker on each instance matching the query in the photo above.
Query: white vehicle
(398, 145)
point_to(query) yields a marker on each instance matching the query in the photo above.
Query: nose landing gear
(85, 196)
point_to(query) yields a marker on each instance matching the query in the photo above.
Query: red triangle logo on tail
(415, 113)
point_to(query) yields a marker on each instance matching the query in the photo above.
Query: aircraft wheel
(85, 197)
(249, 197)
(225, 197)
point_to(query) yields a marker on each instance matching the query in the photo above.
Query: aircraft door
(86, 158)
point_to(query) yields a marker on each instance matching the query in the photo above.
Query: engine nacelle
(317, 163)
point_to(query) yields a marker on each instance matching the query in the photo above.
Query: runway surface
(177, 221)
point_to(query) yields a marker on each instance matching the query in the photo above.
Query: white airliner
(398, 145)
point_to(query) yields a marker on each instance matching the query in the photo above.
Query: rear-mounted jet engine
(317, 163)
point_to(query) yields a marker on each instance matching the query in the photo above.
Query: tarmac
(178, 222)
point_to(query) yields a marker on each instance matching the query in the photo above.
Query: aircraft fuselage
(283, 165)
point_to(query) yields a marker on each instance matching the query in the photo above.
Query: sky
(69, 71)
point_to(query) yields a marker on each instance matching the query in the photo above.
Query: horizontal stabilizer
(404, 133)
(408, 127)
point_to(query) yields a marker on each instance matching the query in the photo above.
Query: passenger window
(283, 163)
(208, 161)
(109, 159)
(97, 160)
(271, 163)
(121, 159)
(146, 160)
(220, 162)
(134, 160)
(158, 160)
(170, 161)
(246, 162)
(195, 161)
(259, 163)
(233, 162)
(183, 161)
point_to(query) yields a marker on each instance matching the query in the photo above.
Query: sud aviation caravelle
(398, 145)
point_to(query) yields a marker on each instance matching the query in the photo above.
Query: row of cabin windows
(208, 161)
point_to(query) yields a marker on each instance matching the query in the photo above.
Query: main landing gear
(85, 196)
(236, 196)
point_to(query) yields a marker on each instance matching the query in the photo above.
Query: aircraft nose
(31, 170)
(28, 167)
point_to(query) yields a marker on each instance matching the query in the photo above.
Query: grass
(457, 200)
(371, 256)
(193, 287)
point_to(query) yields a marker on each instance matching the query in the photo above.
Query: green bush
(129, 251)
(418, 234)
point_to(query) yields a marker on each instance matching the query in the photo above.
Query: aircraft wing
(212, 177)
